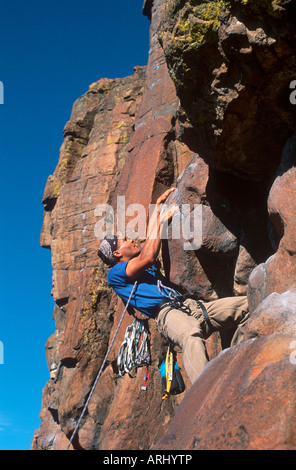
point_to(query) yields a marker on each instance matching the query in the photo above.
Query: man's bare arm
(150, 251)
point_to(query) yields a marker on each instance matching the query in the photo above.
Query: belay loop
(134, 350)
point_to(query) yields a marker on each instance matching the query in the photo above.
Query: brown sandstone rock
(243, 400)
(232, 63)
(278, 273)
(276, 313)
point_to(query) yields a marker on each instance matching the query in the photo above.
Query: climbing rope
(175, 300)
(101, 369)
(134, 350)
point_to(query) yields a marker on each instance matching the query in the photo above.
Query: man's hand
(161, 215)
(167, 213)
(149, 253)
(164, 196)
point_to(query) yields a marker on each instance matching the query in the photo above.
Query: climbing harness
(171, 376)
(101, 368)
(178, 302)
(134, 350)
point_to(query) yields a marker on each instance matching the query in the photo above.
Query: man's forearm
(156, 225)
(151, 247)
(152, 244)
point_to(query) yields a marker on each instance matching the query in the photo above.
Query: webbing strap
(205, 314)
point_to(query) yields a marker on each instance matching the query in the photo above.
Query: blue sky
(50, 52)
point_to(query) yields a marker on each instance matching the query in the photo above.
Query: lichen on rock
(197, 22)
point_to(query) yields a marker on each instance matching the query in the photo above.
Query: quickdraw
(134, 350)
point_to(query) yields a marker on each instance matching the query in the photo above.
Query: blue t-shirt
(146, 296)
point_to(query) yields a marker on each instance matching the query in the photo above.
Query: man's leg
(190, 331)
(184, 330)
(227, 313)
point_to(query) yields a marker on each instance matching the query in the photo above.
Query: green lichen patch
(59, 178)
(72, 149)
(94, 316)
(200, 23)
(195, 23)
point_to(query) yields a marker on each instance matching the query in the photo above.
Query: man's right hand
(164, 196)
(150, 251)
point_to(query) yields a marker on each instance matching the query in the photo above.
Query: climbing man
(183, 322)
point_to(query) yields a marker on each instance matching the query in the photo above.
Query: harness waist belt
(167, 302)
(181, 299)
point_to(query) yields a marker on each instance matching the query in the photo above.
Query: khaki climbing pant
(188, 327)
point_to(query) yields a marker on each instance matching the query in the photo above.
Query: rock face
(210, 114)
(232, 63)
(240, 409)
